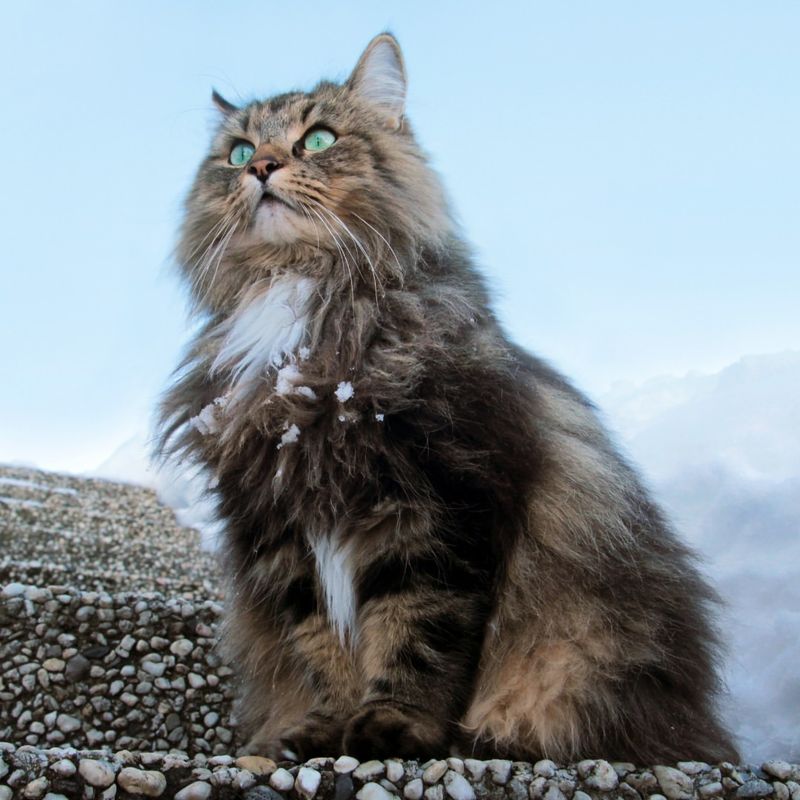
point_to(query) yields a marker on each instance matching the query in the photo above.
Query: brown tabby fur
(516, 590)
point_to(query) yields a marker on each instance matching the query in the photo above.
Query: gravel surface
(110, 685)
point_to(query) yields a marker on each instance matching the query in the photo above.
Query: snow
(39, 486)
(722, 454)
(292, 435)
(344, 391)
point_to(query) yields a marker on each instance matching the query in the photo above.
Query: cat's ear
(380, 78)
(223, 106)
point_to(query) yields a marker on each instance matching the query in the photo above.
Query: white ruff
(265, 331)
(335, 569)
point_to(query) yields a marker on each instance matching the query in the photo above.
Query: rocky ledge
(111, 686)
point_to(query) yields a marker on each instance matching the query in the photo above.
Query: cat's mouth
(270, 199)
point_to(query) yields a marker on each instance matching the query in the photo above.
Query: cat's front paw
(385, 729)
(318, 735)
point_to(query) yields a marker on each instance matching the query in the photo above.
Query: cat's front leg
(421, 628)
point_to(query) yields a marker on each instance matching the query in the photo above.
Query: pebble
(35, 789)
(545, 768)
(54, 664)
(13, 590)
(307, 782)
(414, 789)
(5, 793)
(369, 771)
(373, 791)
(500, 770)
(457, 786)
(64, 768)
(181, 647)
(394, 770)
(435, 772)
(476, 768)
(603, 777)
(199, 790)
(674, 783)
(281, 780)
(96, 773)
(68, 724)
(256, 764)
(434, 792)
(345, 764)
(139, 781)
(781, 770)
(755, 788)
(713, 789)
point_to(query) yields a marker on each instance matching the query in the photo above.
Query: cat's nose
(264, 167)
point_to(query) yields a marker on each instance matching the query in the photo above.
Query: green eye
(241, 154)
(319, 139)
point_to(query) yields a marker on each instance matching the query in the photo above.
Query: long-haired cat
(432, 544)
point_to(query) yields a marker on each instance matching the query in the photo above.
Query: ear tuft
(222, 104)
(380, 78)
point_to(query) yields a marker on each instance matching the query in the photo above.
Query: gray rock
(457, 786)
(781, 770)
(755, 788)
(67, 724)
(603, 777)
(500, 770)
(139, 781)
(369, 771)
(373, 791)
(675, 784)
(199, 790)
(96, 773)
(281, 780)
(307, 782)
(435, 772)
(345, 764)
(414, 789)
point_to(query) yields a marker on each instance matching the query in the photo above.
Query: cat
(432, 545)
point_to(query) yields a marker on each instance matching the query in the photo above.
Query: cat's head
(333, 174)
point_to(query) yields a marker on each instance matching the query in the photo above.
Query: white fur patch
(335, 569)
(264, 332)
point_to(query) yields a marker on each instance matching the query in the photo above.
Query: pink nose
(264, 167)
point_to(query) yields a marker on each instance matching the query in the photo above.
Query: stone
(77, 668)
(54, 664)
(554, 793)
(369, 771)
(13, 590)
(64, 768)
(713, 789)
(781, 770)
(199, 790)
(258, 765)
(414, 789)
(693, 767)
(373, 791)
(281, 780)
(96, 773)
(140, 781)
(262, 793)
(35, 789)
(435, 772)
(476, 768)
(603, 777)
(675, 784)
(394, 770)
(6, 793)
(181, 647)
(457, 786)
(755, 788)
(345, 764)
(500, 770)
(307, 782)
(343, 788)
(435, 792)
(67, 724)
(545, 768)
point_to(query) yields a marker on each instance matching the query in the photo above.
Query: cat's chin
(276, 223)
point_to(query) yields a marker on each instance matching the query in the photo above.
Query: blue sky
(627, 172)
